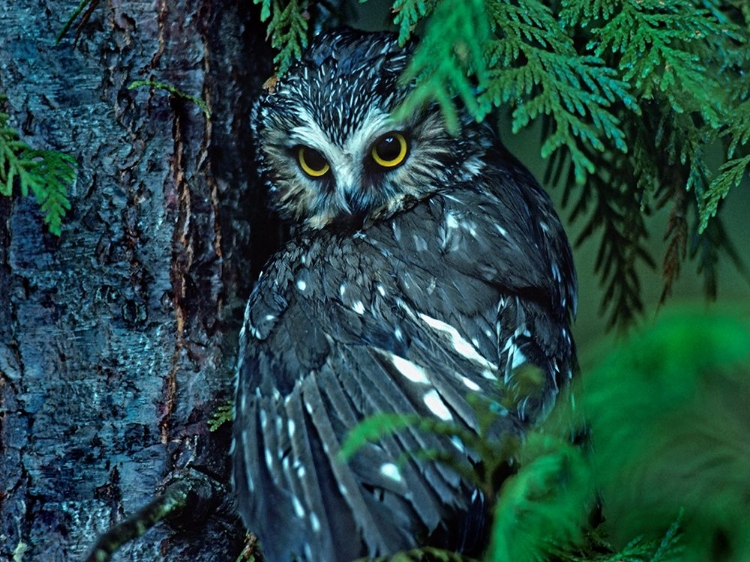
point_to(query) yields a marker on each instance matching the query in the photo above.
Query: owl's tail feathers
(394, 497)
(295, 501)
(313, 504)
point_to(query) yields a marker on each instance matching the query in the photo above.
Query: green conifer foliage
(287, 27)
(668, 420)
(632, 95)
(44, 173)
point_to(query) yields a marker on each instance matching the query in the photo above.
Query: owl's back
(410, 314)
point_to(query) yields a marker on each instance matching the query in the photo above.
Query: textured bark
(117, 340)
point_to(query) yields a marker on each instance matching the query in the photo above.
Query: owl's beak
(349, 193)
(353, 202)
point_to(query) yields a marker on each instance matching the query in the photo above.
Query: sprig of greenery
(622, 249)
(89, 6)
(45, 173)
(538, 72)
(681, 60)
(663, 49)
(733, 171)
(287, 29)
(172, 90)
(408, 14)
(446, 59)
(222, 415)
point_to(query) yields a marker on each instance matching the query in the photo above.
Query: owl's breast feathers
(410, 315)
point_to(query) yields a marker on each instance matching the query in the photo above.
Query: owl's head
(329, 147)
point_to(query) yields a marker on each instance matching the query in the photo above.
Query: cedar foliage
(633, 96)
(46, 174)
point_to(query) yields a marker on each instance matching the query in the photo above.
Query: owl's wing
(321, 369)
(490, 259)
(412, 316)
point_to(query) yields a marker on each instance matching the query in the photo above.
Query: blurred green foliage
(662, 473)
(669, 420)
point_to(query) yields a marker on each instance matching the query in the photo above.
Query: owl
(423, 268)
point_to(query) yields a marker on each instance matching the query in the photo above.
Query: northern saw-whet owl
(422, 268)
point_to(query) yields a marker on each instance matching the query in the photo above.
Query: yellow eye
(390, 150)
(312, 162)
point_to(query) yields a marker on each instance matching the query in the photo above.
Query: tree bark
(118, 339)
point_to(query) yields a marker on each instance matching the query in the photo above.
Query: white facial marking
(376, 122)
(301, 285)
(359, 307)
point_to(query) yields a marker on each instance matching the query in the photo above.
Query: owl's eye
(390, 150)
(312, 162)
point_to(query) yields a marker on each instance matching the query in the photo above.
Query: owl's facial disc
(343, 178)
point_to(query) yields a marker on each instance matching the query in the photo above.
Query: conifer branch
(44, 173)
(287, 28)
(172, 90)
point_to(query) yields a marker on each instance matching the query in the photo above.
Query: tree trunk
(118, 340)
